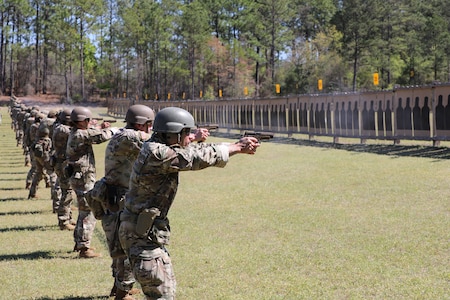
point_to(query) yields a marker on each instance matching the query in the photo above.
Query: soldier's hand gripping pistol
(259, 135)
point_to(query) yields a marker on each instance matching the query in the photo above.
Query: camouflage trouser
(121, 269)
(19, 137)
(64, 211)
(26, 154)
(44, 169)
(84, 229)
(150, 262)
(32, 172)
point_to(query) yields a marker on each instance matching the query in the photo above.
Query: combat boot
(67, 226)
(88, 253)
(123, 295)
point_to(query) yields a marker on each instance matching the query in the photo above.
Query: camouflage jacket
(20, 119)
(120, 154)
(43, 148)
(33, 133)
(47, 123)
(79, 151)
(154, 178)
(60, 136)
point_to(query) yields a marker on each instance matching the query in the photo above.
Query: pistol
(259, 135)
(104, 120)
(208, 126)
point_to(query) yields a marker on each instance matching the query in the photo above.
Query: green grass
(291, 222)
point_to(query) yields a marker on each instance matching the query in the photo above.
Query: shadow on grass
(74, 298)
(38, 255)
(11, 165)
(11, 179)
(11, 189)
(15, 213)
(28, 228)
(390, 150)
(28, 256)
(11, 173)
(12, 199)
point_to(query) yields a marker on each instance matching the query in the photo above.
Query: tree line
(175, 49)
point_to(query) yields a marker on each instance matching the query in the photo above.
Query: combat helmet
(173, 120)
(43, 132)
(64, 115)
(52, 113)
(139, 114)
(80, 113)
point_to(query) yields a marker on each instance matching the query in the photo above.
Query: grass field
(294, 221)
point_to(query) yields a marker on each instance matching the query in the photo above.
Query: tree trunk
(2, 61)
(11, 64)
(192, 63)
(355, 66)
(83, 93)
(257, 74)
(36, 49)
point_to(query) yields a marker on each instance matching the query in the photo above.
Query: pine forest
(208, 49)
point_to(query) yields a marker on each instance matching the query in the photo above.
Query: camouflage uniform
(153, 184)
(81, 166)
(28, 120)
(60, 136)
(20, 124)
(45, 167)
(55, 190)
(15, 110)
(32, 138)
(120, 155)
(42, 150)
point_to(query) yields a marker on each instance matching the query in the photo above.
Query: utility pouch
(68, 171)
(100, 191)
(52, 161)
(95, 206)
(113, 198)
(38, 150)
(145, 221)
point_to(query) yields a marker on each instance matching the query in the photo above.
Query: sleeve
(198, 156)
(98, 136)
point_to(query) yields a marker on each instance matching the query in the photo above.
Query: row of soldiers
(134, 197)
(43, 137)
(58, 147)
(33, 129)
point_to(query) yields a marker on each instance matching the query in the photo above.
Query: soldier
(60, 136)
(29, 120)
(44, 167)
(20, 123)
(81, 170)
(120, 155)
(15, 110)
(32, 138)
(46, 124)
(144, 227)
(42, 149)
